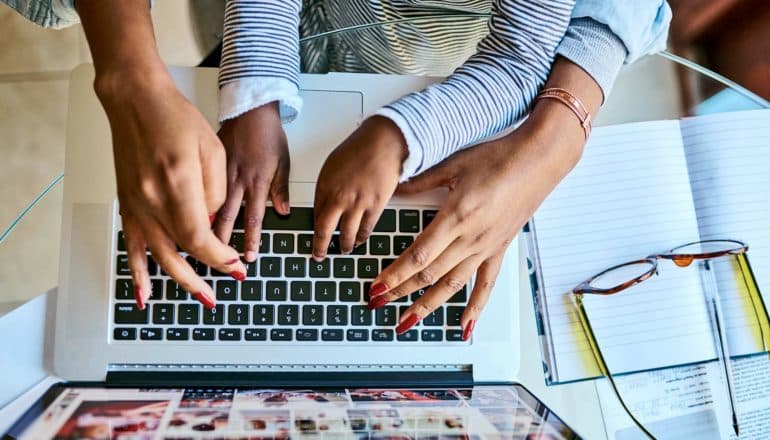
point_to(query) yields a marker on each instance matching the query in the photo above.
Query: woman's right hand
(170, 169)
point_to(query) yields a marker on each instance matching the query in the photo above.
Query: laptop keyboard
(287, 296)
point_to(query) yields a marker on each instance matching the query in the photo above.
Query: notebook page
(628, 197)
(729, 161)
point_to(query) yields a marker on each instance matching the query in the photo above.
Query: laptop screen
(247, 413)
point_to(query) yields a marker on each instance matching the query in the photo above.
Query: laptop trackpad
(326, 119)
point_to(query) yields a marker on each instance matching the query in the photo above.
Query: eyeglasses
(623, 276)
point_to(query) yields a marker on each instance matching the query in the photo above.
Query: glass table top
(31, 207)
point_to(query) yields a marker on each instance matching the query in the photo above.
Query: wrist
(117, 86)
(390, 136)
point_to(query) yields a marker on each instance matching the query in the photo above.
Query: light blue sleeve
(47, 13)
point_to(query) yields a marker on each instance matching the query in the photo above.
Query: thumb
(440, 174)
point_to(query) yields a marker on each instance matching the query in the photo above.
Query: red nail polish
(377, 289)
(376, 303)
(204, 300)
(407, 324)
(240, 276)
(212, 217)
(468, 330)
(233, 261)
(139, 299)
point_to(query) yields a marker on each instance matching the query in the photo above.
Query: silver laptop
(283, 325)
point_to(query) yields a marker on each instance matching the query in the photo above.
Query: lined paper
(728, 156)
(629, 197)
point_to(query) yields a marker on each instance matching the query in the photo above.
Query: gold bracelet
(571, 102)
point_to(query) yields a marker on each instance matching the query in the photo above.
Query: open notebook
(644, 188)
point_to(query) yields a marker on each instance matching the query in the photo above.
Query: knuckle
(453, 284)
(418, 256)
(473, 308)
(253, 221)
(195, 240)
(227, 215)
(425, 277)
(422, 309)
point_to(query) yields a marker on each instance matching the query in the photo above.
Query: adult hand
(494, 188)
(257, 167)
(356, 181)
(170, 170)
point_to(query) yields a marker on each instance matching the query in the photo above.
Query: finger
(214, 172)
(228, 213)
(324, 224)
(437, 295)
(164, 252)
(459, 251)
(426, 248)
(366, 226)
(482, 288)
(349, 224)
(253, 214)
(279, 188)
(136, 248)
(440, 175)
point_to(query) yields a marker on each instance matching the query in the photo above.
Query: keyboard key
(197, 266)
(300, 219)
(251, 268)
(337, 315)
(152, 266)
(358, 335)
(360, 249)
(280, 334)
(124, 334)
(203, 334)
(227, 290)
(418, 293)
(255, 334)
(124, 289)
(163, 314)
(460, 297)
(263, 314)
(229, 334)
(325, 291)
(121, 241)
(453, 315)
(150, 334)
(367, 268)
(283, 243)
(387, 221)
(188, 314)
(251, 291)
(300, 290)
(305, 244)
(294, 267)
(387, 262)
(264, 243)
(409, 336)
(236, 241)
(177, 334)
(427, 216)
(408, 220)
(307, 334)
(344, 268)
(319, 269)
(435, 318)
(129, 314)
(432, 335)
(156, 292)
(121, 267)
(276, 291)
(360, 315)
(270, 267)
(334, 245)
(379, 245)
(238, 314)
(332, 334)
(350, 291)
(381, 335)
(288, 315)
(401, 243)
(454, 335)
(174, 291)
(385, 316)
(312, 315)
(215, 316)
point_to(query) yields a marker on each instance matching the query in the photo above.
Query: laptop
(293, 322)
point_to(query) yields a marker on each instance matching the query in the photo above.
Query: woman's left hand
(494, 188)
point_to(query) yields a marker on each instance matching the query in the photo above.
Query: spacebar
(300, 219)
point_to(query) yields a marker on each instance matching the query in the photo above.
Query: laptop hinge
(305, 379)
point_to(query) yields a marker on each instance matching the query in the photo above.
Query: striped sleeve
(490, 91)
(260, 57)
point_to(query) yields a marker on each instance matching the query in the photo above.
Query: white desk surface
(26, 375)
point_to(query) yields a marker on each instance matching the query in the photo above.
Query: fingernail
(407, 324)
(233, 261)
(377, 289)
(240, 276)
(212, 217)
(285, 207)
(468, 330)
(376, 303)
(250, 256)
(318, 258)
(139, 300)
(205, 300)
